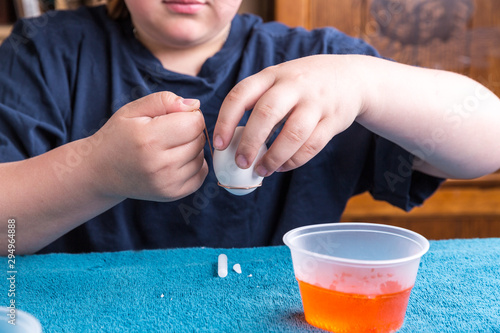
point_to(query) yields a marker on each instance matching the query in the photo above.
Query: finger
(276, 127)
(295, 133)
(177, 157)
(193, 183)
(190, 168)
(158, 104)
(177, 129)
(274, 105)
(192, 150)
(316, 142)
(192, 178)
(173, 176)
(240, 99)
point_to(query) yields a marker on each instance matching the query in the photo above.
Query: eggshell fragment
(240, 181)
(237, 268)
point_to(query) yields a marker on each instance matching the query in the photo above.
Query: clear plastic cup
(24, 322)
(355, 277)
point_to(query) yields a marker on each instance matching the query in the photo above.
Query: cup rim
(24, 318)
(344, 226)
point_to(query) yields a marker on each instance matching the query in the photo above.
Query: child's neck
(187, 60)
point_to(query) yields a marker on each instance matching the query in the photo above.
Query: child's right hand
(151, 149)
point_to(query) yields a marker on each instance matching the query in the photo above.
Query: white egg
(237, 181)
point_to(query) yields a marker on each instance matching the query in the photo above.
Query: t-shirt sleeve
(391, 177)
(395, 180)
(33, 95)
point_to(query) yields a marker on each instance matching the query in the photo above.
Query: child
(101, 151)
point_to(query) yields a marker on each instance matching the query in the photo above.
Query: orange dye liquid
(339, 312)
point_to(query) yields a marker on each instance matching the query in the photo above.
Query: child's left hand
(319, 96)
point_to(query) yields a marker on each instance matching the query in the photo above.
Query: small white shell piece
(235, 180)
(237, 268)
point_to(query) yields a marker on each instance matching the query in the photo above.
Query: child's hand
(319, 96)
(152, 149)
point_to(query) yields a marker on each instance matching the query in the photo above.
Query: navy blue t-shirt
(64, 74)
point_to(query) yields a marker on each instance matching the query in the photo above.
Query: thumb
(159, 104)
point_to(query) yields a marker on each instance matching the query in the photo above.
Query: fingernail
(189, 101)
(261, 171)
(218, 142)
(241, 161)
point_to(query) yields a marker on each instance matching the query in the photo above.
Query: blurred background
(457, 35)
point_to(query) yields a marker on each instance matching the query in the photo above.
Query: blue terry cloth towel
(178, 290)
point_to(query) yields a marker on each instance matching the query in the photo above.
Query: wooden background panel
(295, 13)
(485, 44)
(443, 228)
(4, 31)
(456, 35)
(262, 8)
(427, 33)
(459, 209)
(345, 14)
